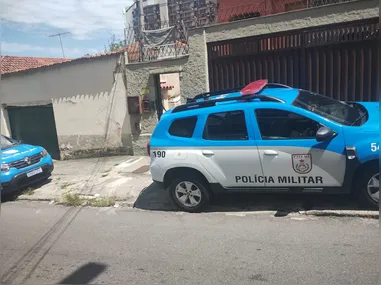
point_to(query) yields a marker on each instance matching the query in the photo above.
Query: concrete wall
(194, 77)
(89, 102)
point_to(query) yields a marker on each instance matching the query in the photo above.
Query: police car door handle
(207, 152)
(270, 152)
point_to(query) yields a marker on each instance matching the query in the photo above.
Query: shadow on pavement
(155, 199)
(85, 274)
(14, 195)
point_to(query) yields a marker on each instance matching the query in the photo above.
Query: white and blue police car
(266, 137)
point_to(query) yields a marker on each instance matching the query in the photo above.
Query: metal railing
(229, 11)
(175, 44)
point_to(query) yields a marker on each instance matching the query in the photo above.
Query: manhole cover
(141, 169)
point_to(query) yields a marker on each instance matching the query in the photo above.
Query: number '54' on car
(22, 165)
(266, 137)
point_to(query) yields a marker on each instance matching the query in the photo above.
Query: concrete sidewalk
(126, 181)
(119, 177)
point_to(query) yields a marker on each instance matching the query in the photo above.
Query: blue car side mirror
(325, 134)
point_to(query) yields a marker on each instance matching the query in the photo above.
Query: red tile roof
(11, 64)
(166, 86)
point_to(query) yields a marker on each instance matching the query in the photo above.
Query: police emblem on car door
(302, 163)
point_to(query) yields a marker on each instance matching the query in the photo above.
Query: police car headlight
(44, 153)
(4, 167)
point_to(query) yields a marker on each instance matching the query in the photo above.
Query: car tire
(197, 188)
(363, 190)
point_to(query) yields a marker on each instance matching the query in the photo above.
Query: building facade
(246, 51)
(74, 109)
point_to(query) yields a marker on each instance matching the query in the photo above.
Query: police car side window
(183, 127)
(279, 124)
(226, 126)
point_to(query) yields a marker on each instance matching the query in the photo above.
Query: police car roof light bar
(254, 87)
(211, 103)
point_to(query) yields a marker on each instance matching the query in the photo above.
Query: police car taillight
(149, 149)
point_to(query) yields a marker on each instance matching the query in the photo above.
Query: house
(72, 107)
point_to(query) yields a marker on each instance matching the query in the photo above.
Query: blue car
(266, 138)
(22, 165)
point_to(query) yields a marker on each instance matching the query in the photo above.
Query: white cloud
(84, 19)
(9, 47)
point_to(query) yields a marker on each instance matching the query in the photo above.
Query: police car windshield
(329, 108)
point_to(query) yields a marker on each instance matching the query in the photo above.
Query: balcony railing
(166, 41)
(229, 11)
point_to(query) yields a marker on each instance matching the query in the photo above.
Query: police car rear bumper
(21, 180)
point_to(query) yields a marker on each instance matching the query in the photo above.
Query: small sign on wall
(144, 91)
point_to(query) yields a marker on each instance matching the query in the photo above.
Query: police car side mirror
(325, 134)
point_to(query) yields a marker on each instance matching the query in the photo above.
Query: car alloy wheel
(373, 187)
(188, 194)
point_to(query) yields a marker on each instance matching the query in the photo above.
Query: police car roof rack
(207, 95)
(215, 93)
(211, 103)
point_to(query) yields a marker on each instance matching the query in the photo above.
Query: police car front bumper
(22, 180)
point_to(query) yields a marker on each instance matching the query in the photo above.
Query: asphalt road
(42, 243)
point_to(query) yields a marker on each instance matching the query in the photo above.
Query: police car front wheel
(190, 194)
(373, 187)
(367, 187)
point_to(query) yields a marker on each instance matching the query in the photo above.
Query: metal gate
(35, 125)
(340, 60)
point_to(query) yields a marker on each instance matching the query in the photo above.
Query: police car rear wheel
(190, 194)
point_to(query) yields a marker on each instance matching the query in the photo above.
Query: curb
(35, 199)
(342, 213)
(317, 213)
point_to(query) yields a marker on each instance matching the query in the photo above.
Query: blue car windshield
(337, 111)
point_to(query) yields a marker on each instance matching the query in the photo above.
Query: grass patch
(71, 199)
(101, 202)
(28, 191)
(75, 200)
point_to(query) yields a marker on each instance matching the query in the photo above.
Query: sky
(25, 26)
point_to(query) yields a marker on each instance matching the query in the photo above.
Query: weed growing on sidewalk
(75, 200)
(71, 199)
(28, 191)
(101, 202)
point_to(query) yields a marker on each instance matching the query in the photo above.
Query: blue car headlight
(44, 153)
(4, 167)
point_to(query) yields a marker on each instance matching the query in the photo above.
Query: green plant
(28, 191)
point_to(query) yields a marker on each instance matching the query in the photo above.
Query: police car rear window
(183, 127)
(226, 126)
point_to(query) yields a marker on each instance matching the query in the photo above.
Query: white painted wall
(89, 101)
